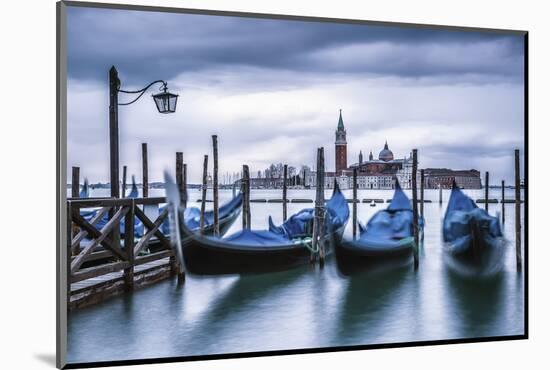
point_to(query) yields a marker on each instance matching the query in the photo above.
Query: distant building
(266, 183)
(341, 152)
(444, 177)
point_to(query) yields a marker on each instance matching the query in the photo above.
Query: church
(379, 173)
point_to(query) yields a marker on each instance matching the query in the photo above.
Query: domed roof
(385, 154)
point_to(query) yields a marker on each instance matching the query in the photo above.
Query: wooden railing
(105, 251)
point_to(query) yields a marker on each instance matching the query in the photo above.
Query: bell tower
(341, 147)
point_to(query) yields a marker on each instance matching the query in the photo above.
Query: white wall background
(27, 312)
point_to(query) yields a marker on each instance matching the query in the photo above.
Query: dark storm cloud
(144, 45)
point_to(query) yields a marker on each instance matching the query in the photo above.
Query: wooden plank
(147, 201)
(83, 233)
(95, 271)
(153, 257)
(95, 233)
(75, 264)
(152, 230)
(101, 280)
(101, 202)
(98, 255)
(100, 237)
(151, 225)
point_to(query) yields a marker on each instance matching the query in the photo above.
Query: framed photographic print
(234, 184)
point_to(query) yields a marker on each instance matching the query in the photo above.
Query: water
(306, 307)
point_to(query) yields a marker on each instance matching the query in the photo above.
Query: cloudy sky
(271, 90)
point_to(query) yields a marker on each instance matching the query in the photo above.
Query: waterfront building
(444, 177)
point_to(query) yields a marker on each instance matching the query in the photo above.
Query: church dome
(385, 154)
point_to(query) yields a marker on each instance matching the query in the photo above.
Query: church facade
(373, 173)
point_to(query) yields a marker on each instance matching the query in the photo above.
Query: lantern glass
(166, 102)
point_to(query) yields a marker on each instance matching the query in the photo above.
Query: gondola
(388, 236)
(227, 215)
(277, 248)
(474, 242)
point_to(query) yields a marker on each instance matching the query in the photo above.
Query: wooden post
(503, 204)
(518, 211)
(75, 183)
(204, 187)
(285, 177)
(184, 199)
(245, 185)
(215, 185)
(354, 203)
(317, 240)
(487, 191)
(75, 193)
(179, 174)
(145, 170)
(114, 84)
(129, 246)
(415, 209)
(422, 193)
(440, 194)
(124, 169)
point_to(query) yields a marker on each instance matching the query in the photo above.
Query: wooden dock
(102, 262)
(97, 289)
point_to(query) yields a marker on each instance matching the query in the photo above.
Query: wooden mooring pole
(487, 191)
(176, 266)
(440, 194)
(75, 193)
(75, 182)
(245, 188)
(518, 211)
(184, 199)
(204, 187)
(285, 178)
(354, 208)
(415, 208)
(422, 193)
(145, 181)
(179, 175)
(503, 204)
(318, 240)
(124, 173)
(215, 186)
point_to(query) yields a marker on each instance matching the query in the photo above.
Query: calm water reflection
(306, 307)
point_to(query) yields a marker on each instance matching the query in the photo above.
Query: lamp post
(164, 101)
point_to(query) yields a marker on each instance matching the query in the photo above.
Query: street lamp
(165, 102)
